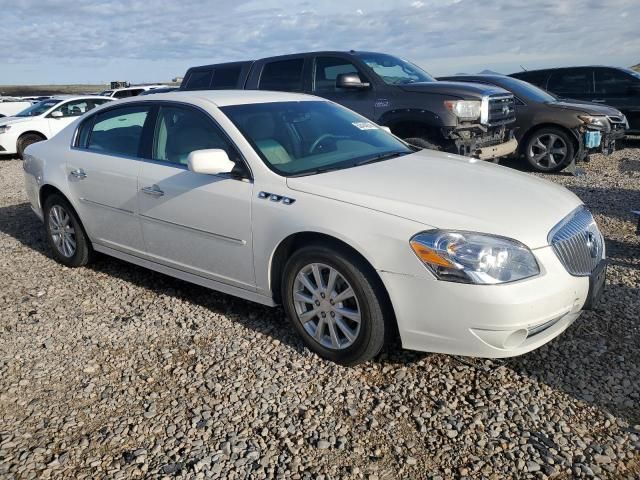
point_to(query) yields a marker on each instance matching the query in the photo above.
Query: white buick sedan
(290, 199)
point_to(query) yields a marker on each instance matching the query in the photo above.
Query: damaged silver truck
(464, 118)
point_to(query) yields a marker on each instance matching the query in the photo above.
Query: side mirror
(350, 81)
(56, 114)
(210, 162)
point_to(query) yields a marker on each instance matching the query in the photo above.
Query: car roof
(222, 98)
(566, 68)
(60, 98)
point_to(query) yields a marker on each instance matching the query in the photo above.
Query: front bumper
(7, 143)
(490, 321)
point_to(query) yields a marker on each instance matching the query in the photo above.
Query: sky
(96, 41)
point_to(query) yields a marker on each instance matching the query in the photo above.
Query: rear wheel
(549, 150)
(65, 234)
(422, 143)
(334, 302)
(27, 139)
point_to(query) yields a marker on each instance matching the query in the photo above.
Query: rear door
(572, 83)
(620, 90)
(197, 223)
(102, 170)
(325, 70)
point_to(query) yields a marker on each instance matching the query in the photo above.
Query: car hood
(450, 192)
(14, 120)
(460, 89)
(588, 108)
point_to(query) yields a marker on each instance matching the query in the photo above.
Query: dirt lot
(113, 371)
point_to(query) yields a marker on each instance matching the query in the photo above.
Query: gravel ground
(114, 371)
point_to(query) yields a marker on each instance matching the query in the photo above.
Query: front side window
(304, 138)
(38, 108)
(182, 130)
(613, 82)
(118, 131)
(327, 70)
(393, 70)
(74, 108)
(225, 78)
(571, 81)
(282, 75)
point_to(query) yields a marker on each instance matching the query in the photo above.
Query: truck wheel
(422, 143)
(549, 150)
(334, 303)
(27, 139)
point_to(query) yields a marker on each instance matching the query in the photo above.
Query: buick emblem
(592, 244)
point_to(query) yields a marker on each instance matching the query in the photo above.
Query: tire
(422, 143)
(540, 147)
(27, 139)
(59, 216)
(368, 300)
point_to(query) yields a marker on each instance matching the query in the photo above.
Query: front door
(325, 71)
(102, 171)
(197, 223)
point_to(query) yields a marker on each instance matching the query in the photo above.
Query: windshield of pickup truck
(38, 108)
(393, 70)
(306, 138)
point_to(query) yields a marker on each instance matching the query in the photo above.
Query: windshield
(38, 108)
(106, 93)
(304, 138)
(525, 90)
(394, 70)
(631, 72)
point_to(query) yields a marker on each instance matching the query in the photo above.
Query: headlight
(469, 257)
(464, 109)
(4, 128)
(599, 122)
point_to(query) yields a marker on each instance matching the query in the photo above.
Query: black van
(616, 87)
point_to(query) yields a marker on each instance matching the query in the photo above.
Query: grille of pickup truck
(501, 109)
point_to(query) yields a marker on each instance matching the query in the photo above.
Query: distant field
(34, 90)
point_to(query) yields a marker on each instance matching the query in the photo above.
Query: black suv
(473, 120)
(552, 132)
(616, 87)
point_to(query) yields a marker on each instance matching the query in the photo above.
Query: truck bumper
(496, 151)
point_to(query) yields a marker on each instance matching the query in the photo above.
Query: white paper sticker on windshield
(365, 125)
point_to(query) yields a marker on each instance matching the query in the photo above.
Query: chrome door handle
(78, 173)
(598, 100)
(153, 190)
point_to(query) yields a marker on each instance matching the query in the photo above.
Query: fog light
(515, 339)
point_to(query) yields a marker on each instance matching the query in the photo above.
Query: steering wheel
(319, 141)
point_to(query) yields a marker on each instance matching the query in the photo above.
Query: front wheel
(549, 150)
(334, 302)
(65, 234)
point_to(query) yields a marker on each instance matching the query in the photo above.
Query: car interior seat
(261, 128)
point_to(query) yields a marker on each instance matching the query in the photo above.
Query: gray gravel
(114, 371)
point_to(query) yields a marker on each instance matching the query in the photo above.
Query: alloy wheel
(548, 151)
(62, 232)
(327, 306)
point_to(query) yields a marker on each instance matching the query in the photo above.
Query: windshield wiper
(381, 157)
(315, 171)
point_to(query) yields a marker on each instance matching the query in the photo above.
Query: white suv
(127, 92)
(42, 120)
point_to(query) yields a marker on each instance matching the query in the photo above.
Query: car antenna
(523, 68)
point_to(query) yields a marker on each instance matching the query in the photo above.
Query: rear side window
(226, 78)
(613, 82)
(283, 75)
(182, 130)
(571, 81)
(199, 80)
(118, 131)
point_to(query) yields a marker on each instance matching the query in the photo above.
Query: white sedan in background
(290, 199)
(42, 120)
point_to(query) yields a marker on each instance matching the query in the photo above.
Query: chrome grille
(502, 109)
(578, 243)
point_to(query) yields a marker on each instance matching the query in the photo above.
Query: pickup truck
(463, 118)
